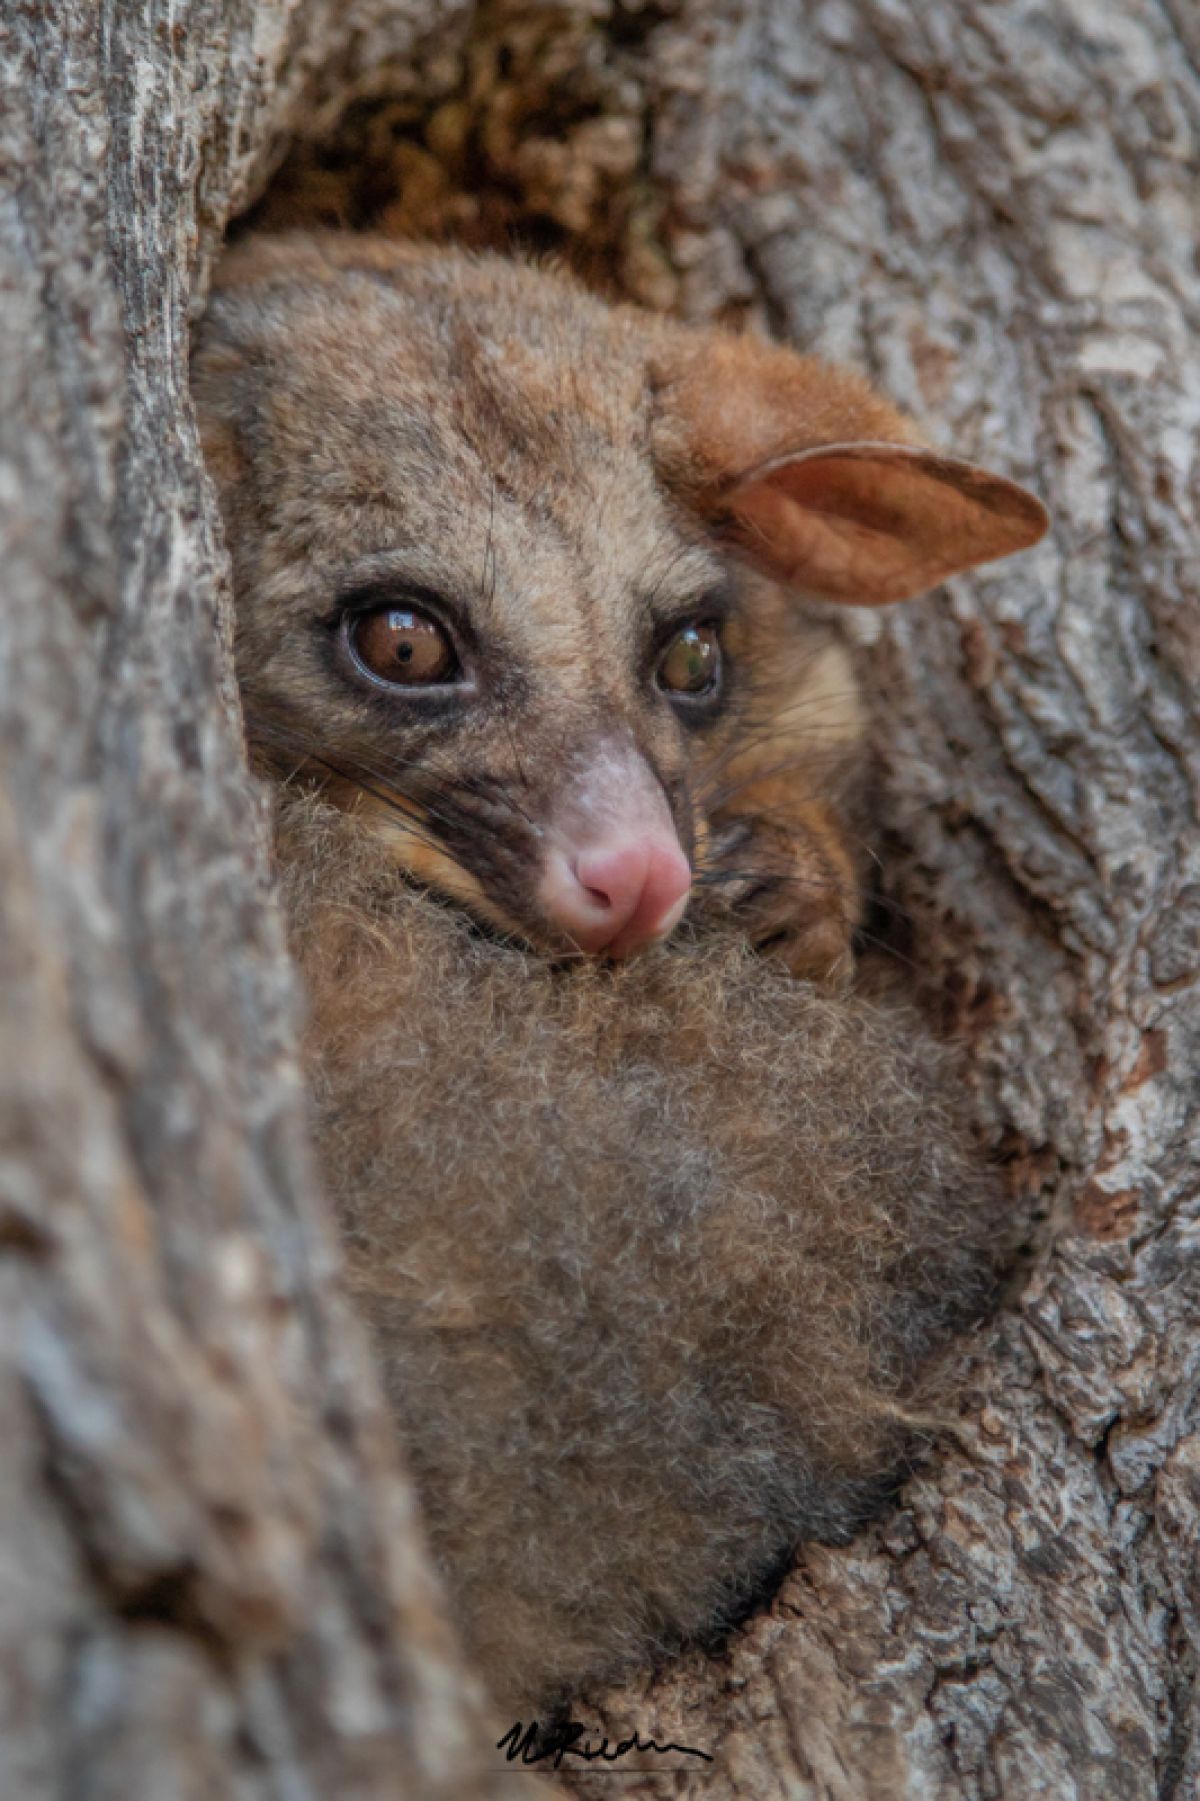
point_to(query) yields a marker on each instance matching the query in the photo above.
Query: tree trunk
(214, 1582)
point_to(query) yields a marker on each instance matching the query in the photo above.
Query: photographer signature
(563, 1740)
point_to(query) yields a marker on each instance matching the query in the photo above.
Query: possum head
(517, 578)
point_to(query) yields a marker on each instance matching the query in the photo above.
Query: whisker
(774, 717)
(888, 949)
(360, 775)
(767, 879)
(715, 800)
(782, 815)
(385, 771)
(488, 574)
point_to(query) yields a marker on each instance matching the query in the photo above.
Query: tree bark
(214, 1580)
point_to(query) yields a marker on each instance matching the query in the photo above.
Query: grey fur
(655, 1254)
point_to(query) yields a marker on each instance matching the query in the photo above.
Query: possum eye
(402, 646)
(691, 663)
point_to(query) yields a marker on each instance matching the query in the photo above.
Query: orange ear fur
(820, 480)
(868, 523)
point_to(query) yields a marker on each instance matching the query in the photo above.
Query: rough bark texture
(211, 1576)
(212, 1582)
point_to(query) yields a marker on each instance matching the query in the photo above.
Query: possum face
(503, 566)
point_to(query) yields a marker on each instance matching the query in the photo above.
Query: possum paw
(790, 891)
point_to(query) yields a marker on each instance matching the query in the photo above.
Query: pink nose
(618, 896)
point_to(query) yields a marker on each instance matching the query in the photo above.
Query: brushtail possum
(656, 1249)
(517, 578)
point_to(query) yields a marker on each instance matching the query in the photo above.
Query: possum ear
(868, 523)
(818, 480)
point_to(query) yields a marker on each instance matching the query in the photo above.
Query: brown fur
(655, 1254)
(572, 475)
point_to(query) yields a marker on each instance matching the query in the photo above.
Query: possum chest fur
(656, 1255)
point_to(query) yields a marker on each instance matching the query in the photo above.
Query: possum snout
(615, 877)
(615, 897)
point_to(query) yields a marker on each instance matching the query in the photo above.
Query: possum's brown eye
(402, 646)
(691, 663)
